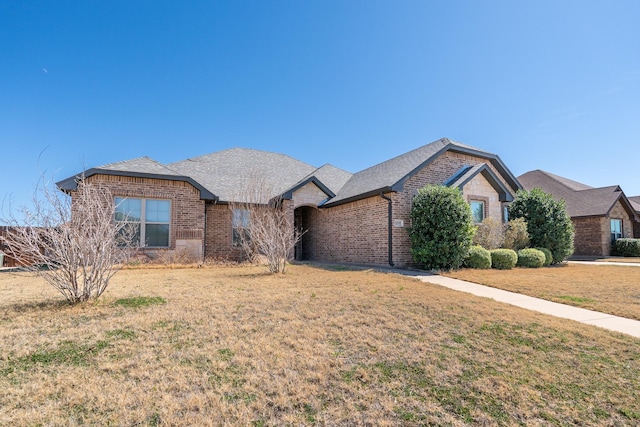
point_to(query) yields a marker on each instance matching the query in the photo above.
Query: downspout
(389, 226)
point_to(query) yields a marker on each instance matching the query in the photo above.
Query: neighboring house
(599, 215)
(635, 203)
(357, 218)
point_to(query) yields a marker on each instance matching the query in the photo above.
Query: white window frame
(143, 222)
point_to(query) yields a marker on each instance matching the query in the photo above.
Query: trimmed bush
(478, 257)
(548, 223)
(548, 257)
(531, 258)
(503, 259)
(442, 227)
(627, 247)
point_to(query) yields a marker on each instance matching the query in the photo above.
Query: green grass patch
(66, 353)
(575, 299)
(122, 334)
(137, 302)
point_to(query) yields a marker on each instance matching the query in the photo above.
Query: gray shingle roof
(140, 165)
(581, 199)
(226, 172)
(635, 202)
(391, 174)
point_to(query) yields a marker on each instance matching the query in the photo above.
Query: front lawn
(233, 346)
(606, 288)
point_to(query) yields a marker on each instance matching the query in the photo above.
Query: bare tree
(263, 224)
(76, 246)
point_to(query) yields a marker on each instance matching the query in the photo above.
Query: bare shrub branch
(75, 247)
(264, 224)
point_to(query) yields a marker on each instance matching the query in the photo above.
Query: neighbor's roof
(392, 174)
(635, 203)
(581, 200)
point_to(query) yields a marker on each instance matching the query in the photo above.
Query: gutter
(389, 226)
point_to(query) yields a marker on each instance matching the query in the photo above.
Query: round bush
(548, 256)
(478, 257)
(503, 259)
(442, 228)
(531, 258)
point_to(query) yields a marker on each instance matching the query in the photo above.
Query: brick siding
(187, 210)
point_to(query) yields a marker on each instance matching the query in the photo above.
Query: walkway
(590, 317)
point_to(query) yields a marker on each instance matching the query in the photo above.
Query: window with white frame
(240, 224)
(477, 210)
(616, 229)
(151, 219)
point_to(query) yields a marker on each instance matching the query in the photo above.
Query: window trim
(143, 222)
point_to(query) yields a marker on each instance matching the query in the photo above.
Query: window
(477, 210)
(240, 224)
(151, 219)
(505, 213)
(616, 229)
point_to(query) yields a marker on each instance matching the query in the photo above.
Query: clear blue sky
(552, 85)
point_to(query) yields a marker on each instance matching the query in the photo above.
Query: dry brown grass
(606, 288)
(234, 346)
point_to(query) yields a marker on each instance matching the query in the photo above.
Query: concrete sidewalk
(607, 321)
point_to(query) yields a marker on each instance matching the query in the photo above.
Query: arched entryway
(303, 221)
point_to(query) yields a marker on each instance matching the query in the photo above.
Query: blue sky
(552, 85)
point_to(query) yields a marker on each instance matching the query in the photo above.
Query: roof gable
(392, 174)
(466, 174)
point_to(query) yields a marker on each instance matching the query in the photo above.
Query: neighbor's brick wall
(617, 212)
(187, 210)
(588, 238)
(636, 229)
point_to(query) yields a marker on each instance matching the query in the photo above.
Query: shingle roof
(140, 165)
(581, 199)
(635, 202)
(391, 174)
(226, 172)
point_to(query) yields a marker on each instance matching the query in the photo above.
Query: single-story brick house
(635, 203)
(599, 215)
(356, 218)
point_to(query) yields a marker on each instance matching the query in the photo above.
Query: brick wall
(187, 210)
(588, 238)
(219, 234)
(357, 232)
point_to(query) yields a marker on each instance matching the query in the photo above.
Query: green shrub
(489, 234)
(478, 257)
(503, 259)
(531, 258)
(516, 236)
(442, 227)
(626, 247)
(548, 257)
(548, 224)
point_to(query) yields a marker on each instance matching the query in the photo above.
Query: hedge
(478, 257)
(532, 258)
(503, 259)
(627, 247)
(548, 257)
